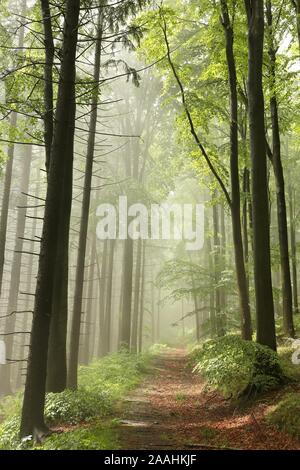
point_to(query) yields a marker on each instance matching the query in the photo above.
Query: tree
(280, 185)
(77, 306)
(234, 173)
(265, 322)
(61, 162)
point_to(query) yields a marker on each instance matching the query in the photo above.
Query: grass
(286, 414)
(180, 397)
(101, 385)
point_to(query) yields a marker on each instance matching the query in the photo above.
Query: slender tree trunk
(217, 268)
(127, 293)
(136, 301)
(287, 300)
(27, 320)
(102, 303)
(5, 200)
(235, 183)
(10, 323)
(142, 298)
(293, 249)
(77, 306)
(108, 309)
(223, 258)
(61, 165)
(89, 327)
(48, 82)
(261, 235)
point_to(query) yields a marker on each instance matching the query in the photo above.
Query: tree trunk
(235, 183)
(5, 200)
(287, 300)
(61, 166)
(127, 293)
(265, 321)
(108, 308)
(77, 306)
(89, 318)
(142, 298)
(102, 303)
(48, 83)
(293, 249)
(10, 323)
(136, 301)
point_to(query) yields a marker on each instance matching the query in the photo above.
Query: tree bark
(10, 323)
(108, 308)
(265, 321)
(5, 200)
(293, 249)
(77, 306)
(235, 183)
(136, 302)
(287, 300)
(142, 299)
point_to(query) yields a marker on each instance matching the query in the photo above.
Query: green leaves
(237, 367)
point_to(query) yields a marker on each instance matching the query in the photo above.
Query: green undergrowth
(237, 368)
(286, 415)
(101, 385)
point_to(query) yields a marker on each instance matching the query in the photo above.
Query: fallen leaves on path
(172, 410)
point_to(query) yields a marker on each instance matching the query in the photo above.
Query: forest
(149, 225)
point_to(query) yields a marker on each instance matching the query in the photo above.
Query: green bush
(73, 407)
(286, 415)
(237, 367)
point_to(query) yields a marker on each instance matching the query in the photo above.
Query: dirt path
(171, 410)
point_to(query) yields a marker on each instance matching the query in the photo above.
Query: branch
(188, 114)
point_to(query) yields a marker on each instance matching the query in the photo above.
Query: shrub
(237, 367)
(72, 407)
(286, 415)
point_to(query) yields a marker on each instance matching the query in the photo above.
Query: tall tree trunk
(108, 308)
(77, 306)
(61, 166)
(136, 302)
(10, 323)
(127, 293)
(235, 183)
(142, 298)
(26, 324)
(89, 318)
(261, 234)
(5, 200)
(217, 268)
(287, 300)
(102, 303)
(293, 248)
(48, 82)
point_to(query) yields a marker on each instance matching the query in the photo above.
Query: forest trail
(172, 410)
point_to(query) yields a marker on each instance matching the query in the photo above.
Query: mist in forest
(149, 159)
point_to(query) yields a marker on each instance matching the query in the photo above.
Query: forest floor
(171, 409)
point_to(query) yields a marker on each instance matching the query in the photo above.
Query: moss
(286, 415)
